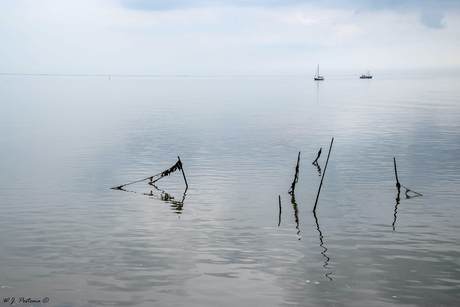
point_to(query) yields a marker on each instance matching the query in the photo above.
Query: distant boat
(368, 76)
(317, 76)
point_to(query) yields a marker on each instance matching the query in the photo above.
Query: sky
(227, 37)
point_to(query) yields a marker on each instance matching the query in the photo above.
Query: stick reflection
(296, 218)
(176, 205)
(396, 206)
(166, 197)
(398, 199)
(315, 163)
(326, 262)
(317, 167)
(296, 213)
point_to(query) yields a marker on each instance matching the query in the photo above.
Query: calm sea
(234, 237)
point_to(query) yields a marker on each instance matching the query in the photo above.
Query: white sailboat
(368, 76)
(317, 76)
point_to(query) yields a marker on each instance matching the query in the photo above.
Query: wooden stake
(296, 176)
(183, 174)
(324, 172)
(317, 157)
(398, 185)
(279, 221)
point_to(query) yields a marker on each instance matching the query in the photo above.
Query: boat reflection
(327, 259)
(317, 91)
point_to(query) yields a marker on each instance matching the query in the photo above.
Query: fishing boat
(317, 76)
(368, 76)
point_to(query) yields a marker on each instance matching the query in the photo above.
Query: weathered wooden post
(183, 174)
(398, 185)
(279, 200)
(296, 176)
(324, 172)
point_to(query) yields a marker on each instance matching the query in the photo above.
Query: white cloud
(347, 31)
(102, 37)
(298, 18)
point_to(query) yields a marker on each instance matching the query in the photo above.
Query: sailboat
(368, 76)
(317, 76)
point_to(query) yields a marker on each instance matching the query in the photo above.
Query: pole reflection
(176, 205)
(296, 213)
(315, 163)
(317, 167)
(326, 262)
(396, 206)
(398, 199)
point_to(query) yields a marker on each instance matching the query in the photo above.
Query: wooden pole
(398, 185)
(296, 176)
(317, 157)
(279, 220)
(324, 172)
(182, 169)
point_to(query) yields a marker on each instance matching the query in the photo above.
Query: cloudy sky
(227, 37)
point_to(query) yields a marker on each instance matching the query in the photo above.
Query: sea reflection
(223, 245)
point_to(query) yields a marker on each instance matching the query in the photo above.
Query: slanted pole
(296, 176)
(396, 174)
(324, 172)
(182, 169)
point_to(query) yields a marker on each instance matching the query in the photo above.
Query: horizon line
(384, 73)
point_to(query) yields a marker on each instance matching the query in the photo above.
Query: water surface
(66, 235)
